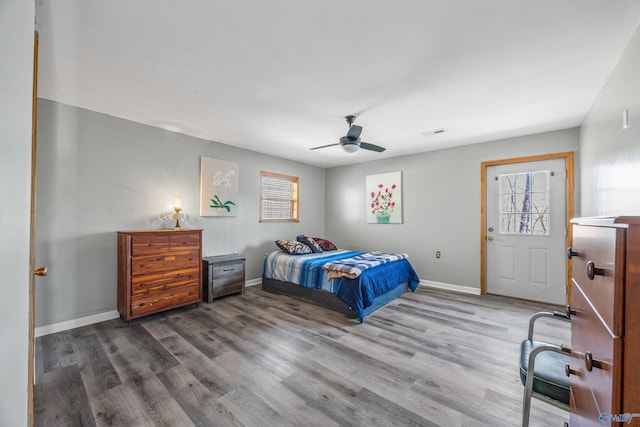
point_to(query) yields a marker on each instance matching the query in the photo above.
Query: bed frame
(327, 299)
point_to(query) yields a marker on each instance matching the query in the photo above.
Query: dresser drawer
(160, 281)
(583, 409)
(157, 301)
(141, 265)
(184, 242)
(152, 244)
(596, 388)
(597, 273)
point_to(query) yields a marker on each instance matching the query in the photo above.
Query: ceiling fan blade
(372, 147)
(354, 132)
(324, 146)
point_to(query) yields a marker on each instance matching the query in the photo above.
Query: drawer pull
(593, 271)
(571, 253)
(568, 371)
(228, 269)
(590, 362)
(142, 304)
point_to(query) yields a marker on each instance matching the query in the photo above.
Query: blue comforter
(359, 293)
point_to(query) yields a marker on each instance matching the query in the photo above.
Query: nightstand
(222, 275)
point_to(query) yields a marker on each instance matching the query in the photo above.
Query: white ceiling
(278, 76)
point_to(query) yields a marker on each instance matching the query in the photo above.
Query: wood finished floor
(429, 358)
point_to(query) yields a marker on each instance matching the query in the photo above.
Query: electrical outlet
(437, 254)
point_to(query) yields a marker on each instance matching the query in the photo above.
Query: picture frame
(218, 187)
(384, 198)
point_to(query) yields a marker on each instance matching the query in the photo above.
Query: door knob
(490, 238)
(42, 271)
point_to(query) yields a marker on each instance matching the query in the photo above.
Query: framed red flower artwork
(384, 198)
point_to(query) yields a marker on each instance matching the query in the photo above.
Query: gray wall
(98, 174)
(16, 83)
(441, 204)
(610, 155)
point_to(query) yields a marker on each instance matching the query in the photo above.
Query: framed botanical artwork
(218, 187)
(384, 198)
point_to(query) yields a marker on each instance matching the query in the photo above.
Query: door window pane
(524, 203)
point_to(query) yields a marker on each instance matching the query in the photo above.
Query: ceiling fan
(351, 141)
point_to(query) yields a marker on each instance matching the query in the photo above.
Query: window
(278, 197)
(524, 203)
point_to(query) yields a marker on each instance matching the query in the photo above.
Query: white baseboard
(96, 318)
(253, 282)
(450, 287)
(75, 323)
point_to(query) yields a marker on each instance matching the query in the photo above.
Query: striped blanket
(354, 266)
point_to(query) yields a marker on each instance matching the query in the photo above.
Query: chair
(548, 362)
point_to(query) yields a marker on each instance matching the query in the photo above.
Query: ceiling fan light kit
(350, 147)
(351, 141)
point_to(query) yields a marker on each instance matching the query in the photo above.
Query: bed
(329, 279)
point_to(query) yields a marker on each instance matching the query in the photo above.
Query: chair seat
(549, 378)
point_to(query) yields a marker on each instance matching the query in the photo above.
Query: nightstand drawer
(228, 273)
(227, 289)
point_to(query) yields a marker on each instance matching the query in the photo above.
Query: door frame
(568, 157)
(32, 232)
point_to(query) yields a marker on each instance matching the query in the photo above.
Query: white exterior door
(526, 230)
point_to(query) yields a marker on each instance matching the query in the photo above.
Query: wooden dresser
(158, 270)
(605, 329)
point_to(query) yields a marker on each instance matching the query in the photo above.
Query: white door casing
(526, 230)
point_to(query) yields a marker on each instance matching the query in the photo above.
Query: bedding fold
(354, 266)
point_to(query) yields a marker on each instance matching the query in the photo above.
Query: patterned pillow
(315, 248)
(325, 244)
(293, 247)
